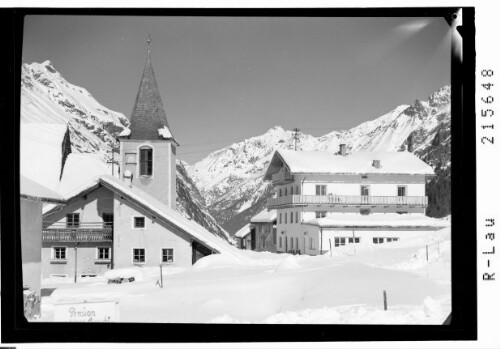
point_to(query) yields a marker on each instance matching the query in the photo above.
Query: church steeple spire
(148, 115)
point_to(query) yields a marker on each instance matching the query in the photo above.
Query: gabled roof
(34, 191)
(244, 231)
(355, 163)
(148, 115)
(158, 209)
(264, 216)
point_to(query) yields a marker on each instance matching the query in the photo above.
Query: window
(280, 217)
(279, 194)
(297, 190)
(167, 255)
(139, 222)
(291, 191)
(365, 190)
(321, 190)
(146, 161)
(59, 253)
(281, 242)
(286, 219)
(72, 220)
(285, 191)
(297, 217)
(291, 243)
(378, 240)
(339, 242)
(320, 214)
(103, 253)
(401, 190)
(297, 243)
(139, 255)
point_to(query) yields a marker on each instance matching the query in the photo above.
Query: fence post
(427, 253)
(330, 240)
(161, 276)
(385, 300)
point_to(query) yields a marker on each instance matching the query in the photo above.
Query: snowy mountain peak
(441, 97)
(46, 96)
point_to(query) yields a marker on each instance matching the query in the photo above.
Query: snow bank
(289, 263)
(125, 273)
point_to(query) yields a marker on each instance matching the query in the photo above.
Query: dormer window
(145, 161)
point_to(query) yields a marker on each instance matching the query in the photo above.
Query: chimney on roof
(376, 164)
(343, 149)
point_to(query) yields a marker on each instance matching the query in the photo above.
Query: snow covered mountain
(230, 179)
(47, 98)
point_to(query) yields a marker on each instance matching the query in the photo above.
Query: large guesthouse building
(325, 200)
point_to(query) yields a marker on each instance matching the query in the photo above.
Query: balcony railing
(81, 232)
(282, 177)
(349, 200)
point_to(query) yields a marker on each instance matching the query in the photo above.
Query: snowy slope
(49, 103)
(47, 97)
(230, 179)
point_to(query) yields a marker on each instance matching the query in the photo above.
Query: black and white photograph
(238, 170)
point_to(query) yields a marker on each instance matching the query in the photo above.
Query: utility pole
(296, 136)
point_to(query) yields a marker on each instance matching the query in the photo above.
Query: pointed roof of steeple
(148, 115)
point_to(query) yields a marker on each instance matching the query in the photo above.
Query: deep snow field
(260, 287)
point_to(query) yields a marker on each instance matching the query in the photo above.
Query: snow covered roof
(243, 231)
(34, 191)
(81, 168)
(265, 216)
(41, 152)
(354, 163)
(158, 209)
(125, 132)
(378, 220)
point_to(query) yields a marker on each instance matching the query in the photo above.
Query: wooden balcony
(346, 200)
(83, 232)
(282, 177)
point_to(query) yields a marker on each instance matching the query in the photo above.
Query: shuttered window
(146, 162)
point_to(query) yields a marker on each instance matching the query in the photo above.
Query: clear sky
(225, 79)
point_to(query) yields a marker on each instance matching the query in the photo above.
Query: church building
(131, 220)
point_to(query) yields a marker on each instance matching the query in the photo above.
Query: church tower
(147, 147)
